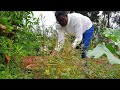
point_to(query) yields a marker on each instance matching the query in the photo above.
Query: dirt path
(33, 62)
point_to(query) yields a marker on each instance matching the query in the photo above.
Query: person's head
(61, 17)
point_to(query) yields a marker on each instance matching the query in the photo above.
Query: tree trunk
(108, 25)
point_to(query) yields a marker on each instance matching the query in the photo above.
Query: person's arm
(60, 40)
(79, 34)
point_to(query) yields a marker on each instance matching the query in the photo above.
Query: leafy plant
(109, 48)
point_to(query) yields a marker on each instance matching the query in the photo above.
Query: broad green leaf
(111, 48)
(112, 37)
(112, 59)
(97, 52)
(101, 49)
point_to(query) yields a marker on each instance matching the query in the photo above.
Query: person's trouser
(87, 36)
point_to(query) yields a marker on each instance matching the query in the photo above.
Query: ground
(61, 67)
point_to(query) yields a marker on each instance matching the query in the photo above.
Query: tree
(93, 15)
(116, 19)
(108, 14)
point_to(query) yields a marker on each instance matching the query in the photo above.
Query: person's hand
(53, 53)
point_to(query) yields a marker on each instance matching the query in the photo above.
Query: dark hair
(60, 13)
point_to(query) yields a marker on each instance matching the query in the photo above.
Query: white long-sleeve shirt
(77, 24)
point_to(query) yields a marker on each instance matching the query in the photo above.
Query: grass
(71, 66)
(64, 65)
